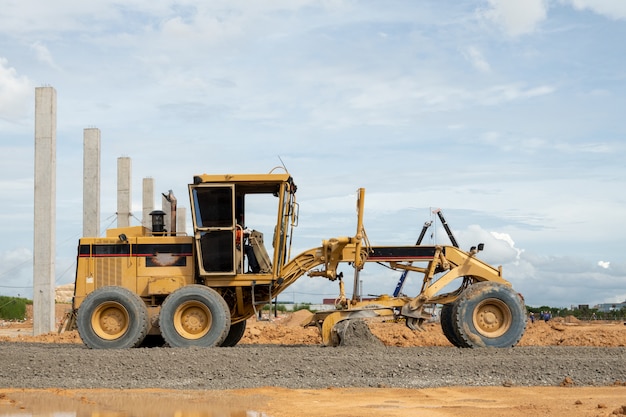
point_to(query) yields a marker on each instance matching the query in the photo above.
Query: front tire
(194, 315)
(489, 314)
(112, 318)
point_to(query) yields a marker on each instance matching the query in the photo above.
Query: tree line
(579, 313)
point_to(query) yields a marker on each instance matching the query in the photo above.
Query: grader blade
(326, 321)
(355, 333)
(415, 324)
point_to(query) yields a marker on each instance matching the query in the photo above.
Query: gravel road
(33, 365)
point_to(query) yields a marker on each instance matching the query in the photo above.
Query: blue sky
(505, 114)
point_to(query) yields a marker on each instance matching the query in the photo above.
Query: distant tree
(279, 307)
(303, 306)
(12, 308)
(581, 314)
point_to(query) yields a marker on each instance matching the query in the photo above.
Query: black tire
(194, 315)
(234, 334)
(112, 318)
(447, 327)
(488, 314)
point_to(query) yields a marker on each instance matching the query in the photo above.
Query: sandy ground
(560, 401)
(336, 402)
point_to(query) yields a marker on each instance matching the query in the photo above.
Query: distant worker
(241, 239)
(532, 318)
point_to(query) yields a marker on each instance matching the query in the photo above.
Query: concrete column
(181, 220)
(123, 191)
(45, 210)
(91, 182)
(147, 202)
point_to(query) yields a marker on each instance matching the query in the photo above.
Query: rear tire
(488, 314)
(194, 315)
(234, 334)
(112, 318)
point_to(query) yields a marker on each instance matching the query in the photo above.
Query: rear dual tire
(194, 315)
(234, 334)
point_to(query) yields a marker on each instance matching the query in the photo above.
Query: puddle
(126, 403)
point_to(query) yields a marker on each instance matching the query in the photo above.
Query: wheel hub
(192, 320)
(492, 318)
(110, 320)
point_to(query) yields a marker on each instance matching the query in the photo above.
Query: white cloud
(476, 58)
(604, 264)
(505, 237)
(613, 9)
(204, 28)
(510, 92)
(516, 17)
(43, 54)
(617, 299)
(16, 93)
(24, 16)
(559, 280)
(384, 100)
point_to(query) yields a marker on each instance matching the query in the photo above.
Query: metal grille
(108, 271)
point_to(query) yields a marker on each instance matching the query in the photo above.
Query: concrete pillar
(45, 210)
(123, 191)
(91, 182)
(181, 220)
(147, 202)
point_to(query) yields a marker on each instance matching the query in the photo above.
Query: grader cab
(199, 289)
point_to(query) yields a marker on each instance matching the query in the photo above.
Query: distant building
(608, 307)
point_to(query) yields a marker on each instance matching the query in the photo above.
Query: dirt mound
(297, 318)
(572, 320)
(395, 333)
(275, 333)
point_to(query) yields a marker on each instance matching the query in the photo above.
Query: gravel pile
(30, 365)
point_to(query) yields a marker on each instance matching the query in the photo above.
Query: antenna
(283, 164)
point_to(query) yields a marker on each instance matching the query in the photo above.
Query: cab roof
(241, 178)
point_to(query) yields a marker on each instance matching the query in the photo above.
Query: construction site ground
(564, 367)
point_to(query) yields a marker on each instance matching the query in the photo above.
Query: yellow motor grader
(199, 290)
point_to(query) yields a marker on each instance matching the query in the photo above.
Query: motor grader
(199, 291)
